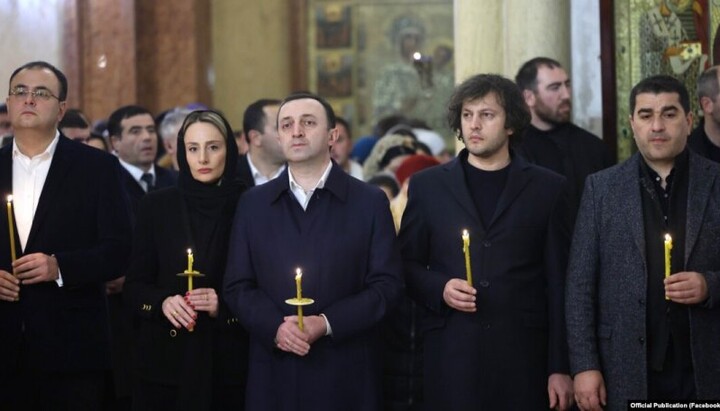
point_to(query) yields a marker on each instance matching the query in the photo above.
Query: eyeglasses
(39, 94)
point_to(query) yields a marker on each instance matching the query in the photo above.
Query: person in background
(75, 126)
(340, 151)
(705, 139)
(264, 160)
(5, 126)
(169, 127)
(552, 140)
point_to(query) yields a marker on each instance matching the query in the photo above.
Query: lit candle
(668, 247)
(298, 286)
(11, 228)
(298, 283)
(466, 251)
(191, 259)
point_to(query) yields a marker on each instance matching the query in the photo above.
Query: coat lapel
(57, 173)
(6, 171)
(516, 182)
(455, 181)
(631, 203)
(700, 182)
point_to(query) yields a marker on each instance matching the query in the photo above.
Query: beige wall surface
(250, 41)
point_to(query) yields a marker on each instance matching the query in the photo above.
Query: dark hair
(254, 117)
(526, 77)
(344, 123)
(99, 138)
(660, 84)
(386, 123)
(382, 180)
(707, 84)
(74, 118)
(62, 96)
(517, 114)
(329, 113)
(113, 125)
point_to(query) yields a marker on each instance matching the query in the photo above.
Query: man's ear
(706, 104)
(529, 97)
(254, 138)
(334, 134)
(114, 140)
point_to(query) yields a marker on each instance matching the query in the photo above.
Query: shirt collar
(320, 184)
(49, 150)
(680, 166)
(256, 174)
(334, 179)
(135, 171)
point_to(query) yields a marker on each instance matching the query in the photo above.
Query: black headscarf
(208, 199)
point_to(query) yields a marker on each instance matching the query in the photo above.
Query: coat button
(485, 326)
(484, 283)
(642, 340)
(486, 244)
(173, 333)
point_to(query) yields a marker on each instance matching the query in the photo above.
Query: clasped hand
(290, 339)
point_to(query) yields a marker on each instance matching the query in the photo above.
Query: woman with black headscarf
(190, 353)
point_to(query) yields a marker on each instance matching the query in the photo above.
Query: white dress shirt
(259, 177)
(303, 197)
(137, 172)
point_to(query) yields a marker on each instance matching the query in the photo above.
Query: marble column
(152, 53)
(498, 37)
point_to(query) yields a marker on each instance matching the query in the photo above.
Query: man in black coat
(500, 342)
(72, 234)
(552, 140)
(134, 139)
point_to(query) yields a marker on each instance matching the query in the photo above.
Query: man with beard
(551, 140)
(705, 139)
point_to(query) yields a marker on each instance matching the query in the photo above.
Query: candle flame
(465, 234)
(9, 198)
(668, 238)
(189, 250)
(417, 55)
(298, 273)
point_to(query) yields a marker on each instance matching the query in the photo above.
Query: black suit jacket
(82, 219)
(501, 355)
(163, 178)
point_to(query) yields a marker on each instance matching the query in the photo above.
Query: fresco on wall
(398, 59)
(673, 37)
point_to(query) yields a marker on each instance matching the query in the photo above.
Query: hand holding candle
(466, 251)
(11, 228)
(299, 301)
(668, 248)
